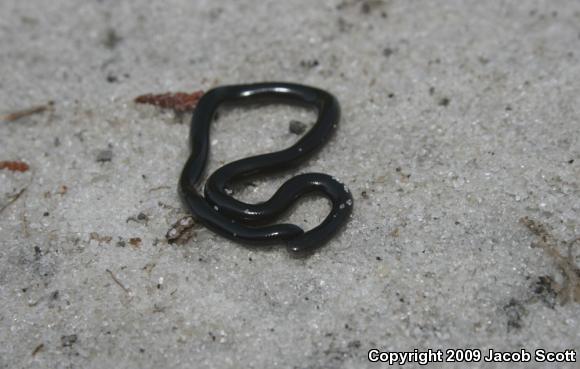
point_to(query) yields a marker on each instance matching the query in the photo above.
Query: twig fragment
(11, 117)
(38, 349)
(570, 288)
(15, 197)
(117, 281)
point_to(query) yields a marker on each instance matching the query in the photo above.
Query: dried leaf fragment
(180, 102)
(14, 165)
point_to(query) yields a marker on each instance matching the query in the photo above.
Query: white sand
(476, 102)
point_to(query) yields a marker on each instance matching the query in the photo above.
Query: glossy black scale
(247, 223)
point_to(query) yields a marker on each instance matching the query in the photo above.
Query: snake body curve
(248, 223)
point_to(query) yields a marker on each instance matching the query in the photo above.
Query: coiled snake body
(244, 222)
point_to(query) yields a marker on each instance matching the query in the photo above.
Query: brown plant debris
(100, 239)
(117, 281)
(68, 340)
(515, 312)
(14, 165)
(38, 349)
(149, 267)
(62, 190)
(11, 117)
(181, 231)
(12, 199)
(569, 290)
(543, 288)
(141, 218)
(180, 102)
(135, 242)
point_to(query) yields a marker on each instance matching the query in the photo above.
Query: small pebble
(309, 64)
(104, 156)
(444, 101)
(297, 127)
(69, 340)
